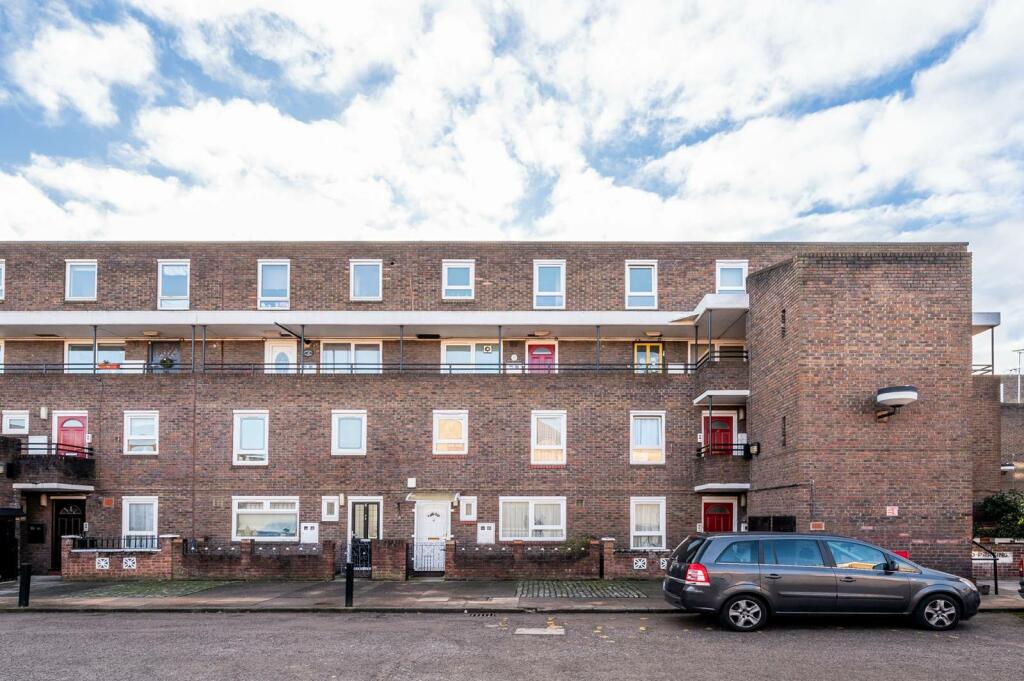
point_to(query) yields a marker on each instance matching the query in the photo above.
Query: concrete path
(423, 595)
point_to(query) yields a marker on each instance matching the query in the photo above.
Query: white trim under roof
(983, 321)
(51, 487)
(723, 487)
(728, 397)
(714, 301)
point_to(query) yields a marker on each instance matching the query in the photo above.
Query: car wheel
(743, 613)
(938, 613)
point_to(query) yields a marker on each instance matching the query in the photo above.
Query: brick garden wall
(521, 561)
(87, 565)
(1012, 443)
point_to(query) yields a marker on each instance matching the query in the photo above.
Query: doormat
(542, 588)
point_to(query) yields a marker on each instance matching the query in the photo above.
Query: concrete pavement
(435, 595)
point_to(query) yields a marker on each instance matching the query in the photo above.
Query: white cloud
(77, 66)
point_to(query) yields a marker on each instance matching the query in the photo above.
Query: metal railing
(56, 449)
(358, 551)
(88, 368)
(730, 449)
(982, 369)
(425, 557)
(723, 354)
(126, 543)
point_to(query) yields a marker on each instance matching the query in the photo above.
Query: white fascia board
(715, 301)
(51, 487)
(723, 487)
(721, 393)
(983, 321)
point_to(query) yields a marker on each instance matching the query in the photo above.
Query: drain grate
(538, 588)
(481, 614)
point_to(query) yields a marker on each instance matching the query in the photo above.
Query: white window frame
(653, 265)
(352, 342)
(166, 302)
(471, 366)
(537, 264)
(125, 501)
(445, 266)
(260, 298)
(533, 500)
(633, 501)
(236, 437)
(352, 279)
(1, 356)
(8, 414)
(266, 502)
(67, 280)
(633, 415)
(336, 415)
(3, 278)
(461, 415)
(126, 435)
(730, 264)
(534, 415)
(325, 515)
(464, 515)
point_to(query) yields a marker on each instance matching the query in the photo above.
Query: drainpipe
(203, 369)
(302, 346)
(501, 351)
(597, 346)
(95, 350)
(401, 348)
(193, 358)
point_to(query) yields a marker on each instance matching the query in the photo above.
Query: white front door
(280, 357)
(433, 524)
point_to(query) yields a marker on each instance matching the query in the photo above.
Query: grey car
(745, 578)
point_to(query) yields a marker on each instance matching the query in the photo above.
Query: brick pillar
(450, 571)
(66, 543)
(518, 558)
(387, 559)
(245, 565)
(595, 557)
(608, 557)
(177, 548)
(327, 559)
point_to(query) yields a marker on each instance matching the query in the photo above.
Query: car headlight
(970, 585)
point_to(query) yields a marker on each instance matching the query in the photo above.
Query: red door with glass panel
(541, 358)
(71, 435)
(718, 434)
(718, 516)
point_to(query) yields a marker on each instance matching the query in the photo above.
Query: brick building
(490, 393)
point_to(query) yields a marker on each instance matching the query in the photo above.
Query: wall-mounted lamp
(889, 400)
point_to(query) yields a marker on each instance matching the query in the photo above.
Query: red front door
(71, 435)
(718, 516)
(541, 359)
(718, 434)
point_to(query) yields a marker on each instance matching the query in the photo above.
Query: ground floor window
(532, 518)
(647, 523)
(265, 518)
(139, 521)
(15, 422)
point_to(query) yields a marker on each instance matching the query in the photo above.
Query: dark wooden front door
(68, 516)
(365, 520)
(718, 516)
(8, 549)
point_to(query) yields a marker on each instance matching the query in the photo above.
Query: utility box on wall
(309, 533)
(485, 533)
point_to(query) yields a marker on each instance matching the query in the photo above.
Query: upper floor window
(172, 284)
(641, 285)
(78, 357)
(451, 432)
(481, 357)
(348, 431)
(3, 279)
(274, 284)
(547, 437)
(458, 278)
(350, 357)
(251, 435)
(730, 276)
(141, 432)
(647, 437)
(80, 280)
(549, 284)
(365, 280)
(15, 422)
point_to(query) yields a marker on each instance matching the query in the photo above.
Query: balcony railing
(126, 543)
(343, 369)
(56, 449)
(982, 369)
(27, 460)
(737, 354)
(747, 451)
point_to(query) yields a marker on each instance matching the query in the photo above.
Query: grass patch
(154, 589)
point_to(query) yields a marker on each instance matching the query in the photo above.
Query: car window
(905, 565)
(853, 556)
(793, 552)
(687, 549)
(739, 552)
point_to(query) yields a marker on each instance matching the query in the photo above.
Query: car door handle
(847, 579)
(773, 576)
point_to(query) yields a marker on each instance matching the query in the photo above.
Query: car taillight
(696, 575)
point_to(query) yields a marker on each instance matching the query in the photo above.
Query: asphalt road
(401, 646)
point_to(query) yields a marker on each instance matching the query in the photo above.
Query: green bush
(1001, 515)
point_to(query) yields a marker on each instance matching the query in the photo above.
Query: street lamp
(1019, 353)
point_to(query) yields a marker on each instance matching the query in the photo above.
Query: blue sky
(868, 121)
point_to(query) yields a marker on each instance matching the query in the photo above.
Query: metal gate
(360, 554)
(427, 556)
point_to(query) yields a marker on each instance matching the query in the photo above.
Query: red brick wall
(81, 565)
(521, 561)
(1012, 443)
(856, 323)
(388, 558)
(633, 564)
(985, 435)
(1010, 571)
(249, 565)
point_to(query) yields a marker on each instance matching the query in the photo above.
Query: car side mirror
(890, 565)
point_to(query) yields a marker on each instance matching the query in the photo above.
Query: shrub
(1001, 515)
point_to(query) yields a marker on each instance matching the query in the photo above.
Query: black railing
(982, 369)
(722, 354)
(358, 552)
(56, 449)
(731, 449)
(126, 543)
(348, 369)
